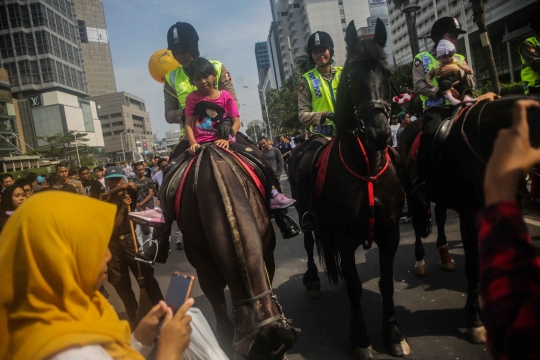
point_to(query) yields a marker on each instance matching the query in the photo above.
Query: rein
(369, 179)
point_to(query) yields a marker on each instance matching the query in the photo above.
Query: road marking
(532, 222)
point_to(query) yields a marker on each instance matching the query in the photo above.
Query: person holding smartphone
(51, 307)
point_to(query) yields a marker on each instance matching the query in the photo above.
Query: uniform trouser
(123, 260)
(433, 118)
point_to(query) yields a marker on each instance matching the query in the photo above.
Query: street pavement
(430, 310)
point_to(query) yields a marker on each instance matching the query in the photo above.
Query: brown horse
(362, 198)
(456, 182)
(230, 241)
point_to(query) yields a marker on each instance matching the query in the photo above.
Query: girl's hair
(200, 66)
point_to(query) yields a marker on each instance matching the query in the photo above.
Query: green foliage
(302, 64)
(283, 108)
(402, 77)
(60, 144)
(515, 88)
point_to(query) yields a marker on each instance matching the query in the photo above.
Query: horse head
(365, 86)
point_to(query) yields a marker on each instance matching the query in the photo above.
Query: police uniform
(529, 51)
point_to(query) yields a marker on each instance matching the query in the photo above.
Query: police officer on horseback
(317, 93)
(529, 51)
(436, 106)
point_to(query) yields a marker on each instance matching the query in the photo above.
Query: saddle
(441, 135)
(174, 177)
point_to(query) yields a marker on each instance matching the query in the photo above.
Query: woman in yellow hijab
(51, 267)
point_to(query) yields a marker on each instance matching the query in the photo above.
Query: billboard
(377, 2)
(367, 32)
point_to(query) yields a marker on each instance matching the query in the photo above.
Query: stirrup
(309, 221)
(146, 255)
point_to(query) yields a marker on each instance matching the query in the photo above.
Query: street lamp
(265, 108)
(410, 15)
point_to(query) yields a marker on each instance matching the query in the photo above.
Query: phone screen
(179, 291)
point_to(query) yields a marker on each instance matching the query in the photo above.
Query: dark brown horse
(456, 182)
(358, 163)
(230, 241)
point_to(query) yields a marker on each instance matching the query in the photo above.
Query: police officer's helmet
(183, 35)
(320, 39)
(444, 25)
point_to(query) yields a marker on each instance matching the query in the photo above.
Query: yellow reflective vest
(323, 96)
(428, 62)
(529, 77)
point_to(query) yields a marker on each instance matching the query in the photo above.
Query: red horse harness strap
(369, 179)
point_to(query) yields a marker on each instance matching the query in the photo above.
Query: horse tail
(329, 256)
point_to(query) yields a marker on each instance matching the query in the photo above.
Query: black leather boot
(147, 252)
(288, 227)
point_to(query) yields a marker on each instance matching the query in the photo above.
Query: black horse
(361, 198)
(457, 174)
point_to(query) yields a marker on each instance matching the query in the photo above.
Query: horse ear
(351, 38)
(380, 33)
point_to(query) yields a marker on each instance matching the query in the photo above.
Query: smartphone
(179, 290)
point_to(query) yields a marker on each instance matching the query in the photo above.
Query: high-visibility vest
(323, 95)
(428, 62)
(179, 81)
(529, 77)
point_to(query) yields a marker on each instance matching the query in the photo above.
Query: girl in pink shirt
(208, 108)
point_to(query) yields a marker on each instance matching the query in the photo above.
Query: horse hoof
(420, 268)
(313, 293)
(363, 353)
(449, 266)
(399, 349)
(477, 335)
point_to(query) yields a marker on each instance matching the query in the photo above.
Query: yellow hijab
(51, 251)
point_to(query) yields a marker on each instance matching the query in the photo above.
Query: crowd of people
(54, 259)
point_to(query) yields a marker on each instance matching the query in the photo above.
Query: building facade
(126, 125)
(11, 138)
(507, 27)
(40, 49)
(263, 61)
(95, 47)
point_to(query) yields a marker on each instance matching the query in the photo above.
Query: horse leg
(311, 279)
(420, 268)
(476, 332)
(213, 284)
(446, 262)
(360, 340)
(392, 336)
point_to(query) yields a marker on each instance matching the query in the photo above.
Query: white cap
(445, 47)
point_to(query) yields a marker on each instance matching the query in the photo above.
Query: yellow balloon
(161, 63)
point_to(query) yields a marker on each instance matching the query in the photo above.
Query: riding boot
(309, 221)
(148, 251)
(288, 227)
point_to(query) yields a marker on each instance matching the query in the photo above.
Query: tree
(480, 21)
(302, 64)
(60, 144)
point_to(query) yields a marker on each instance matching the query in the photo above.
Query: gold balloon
(161, 63)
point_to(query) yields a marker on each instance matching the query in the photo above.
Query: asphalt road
(430, 310)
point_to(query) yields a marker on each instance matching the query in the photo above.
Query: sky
(228, 31)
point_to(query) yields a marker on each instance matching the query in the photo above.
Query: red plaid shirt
(509, 283)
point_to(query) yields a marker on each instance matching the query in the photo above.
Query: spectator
(404, 120)
(92, 187)
(285, 148)
(99, 172)
(394, 127)
(145, 196)
(299, 139)
(26, 185)
(52, 309)
(12, 197)
(36, 182)
(127, 169)
(7, 180)
(72, 174)
(63, 179)
(147, 170)
(273, 155)
(509, 265)
(121, 245)
(155, 166)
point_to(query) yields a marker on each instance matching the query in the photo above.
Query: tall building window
(63, 7)
(63, 50)
(82, 31)
(56, 4)
(48, 70)
(80, 78)
(6, 49)
(61, 77)
(4, 22)
(76, 83)
(29, 71)
(67, 74)
(23, 44)
(43, 42)
(59, 28)
(38, 15)
(52, 21)
(19, 15)
(76, 56)
(12, 73)
(56, 46)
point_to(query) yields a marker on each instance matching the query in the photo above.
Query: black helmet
(319, 39)
(183, 35)
(444, 25)
(534, 23)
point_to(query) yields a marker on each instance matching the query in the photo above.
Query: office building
(11, 138)
(507, 23)
(173, 138)
(275, 76)
(95, 47)
(39, 48)
(297, 19)
(126, 126)
(378, 10)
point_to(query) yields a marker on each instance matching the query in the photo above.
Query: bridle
(359, 109)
